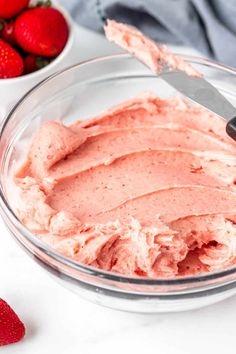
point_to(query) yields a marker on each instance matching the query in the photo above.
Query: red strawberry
(41, 31)
(11, 328)
(33, 63)
(7, 32)
(11, 63)
(10, 8)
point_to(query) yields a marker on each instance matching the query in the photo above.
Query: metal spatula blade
(202, 92)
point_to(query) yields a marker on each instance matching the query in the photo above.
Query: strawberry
(33, 63)
(10, 8)
(11, 328)
(11, 63)
(7, 32)
(41, 31)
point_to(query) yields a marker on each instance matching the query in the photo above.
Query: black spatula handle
(231, 128)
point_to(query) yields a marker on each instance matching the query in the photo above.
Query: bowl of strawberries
(36, 40)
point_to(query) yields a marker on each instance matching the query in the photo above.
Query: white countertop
(59, 322)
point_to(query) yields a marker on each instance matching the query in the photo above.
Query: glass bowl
(76, 93)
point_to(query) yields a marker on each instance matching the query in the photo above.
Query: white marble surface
(59, 322)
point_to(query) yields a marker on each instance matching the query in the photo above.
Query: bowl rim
(56, 60)
(87, 269)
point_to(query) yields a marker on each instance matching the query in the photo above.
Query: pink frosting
(149, 52)
(146, 189)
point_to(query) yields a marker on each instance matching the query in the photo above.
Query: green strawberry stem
(2, 21)
(46, 3)
(41, 62)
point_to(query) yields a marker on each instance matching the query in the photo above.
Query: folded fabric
(207, 25)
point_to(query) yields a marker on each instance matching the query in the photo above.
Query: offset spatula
(151, 53)
(202, 92)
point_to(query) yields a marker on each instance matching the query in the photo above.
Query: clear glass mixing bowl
(79, 92)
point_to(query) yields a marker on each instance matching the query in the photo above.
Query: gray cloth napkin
(207, 25)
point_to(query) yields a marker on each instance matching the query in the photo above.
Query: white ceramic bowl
(11, 90)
